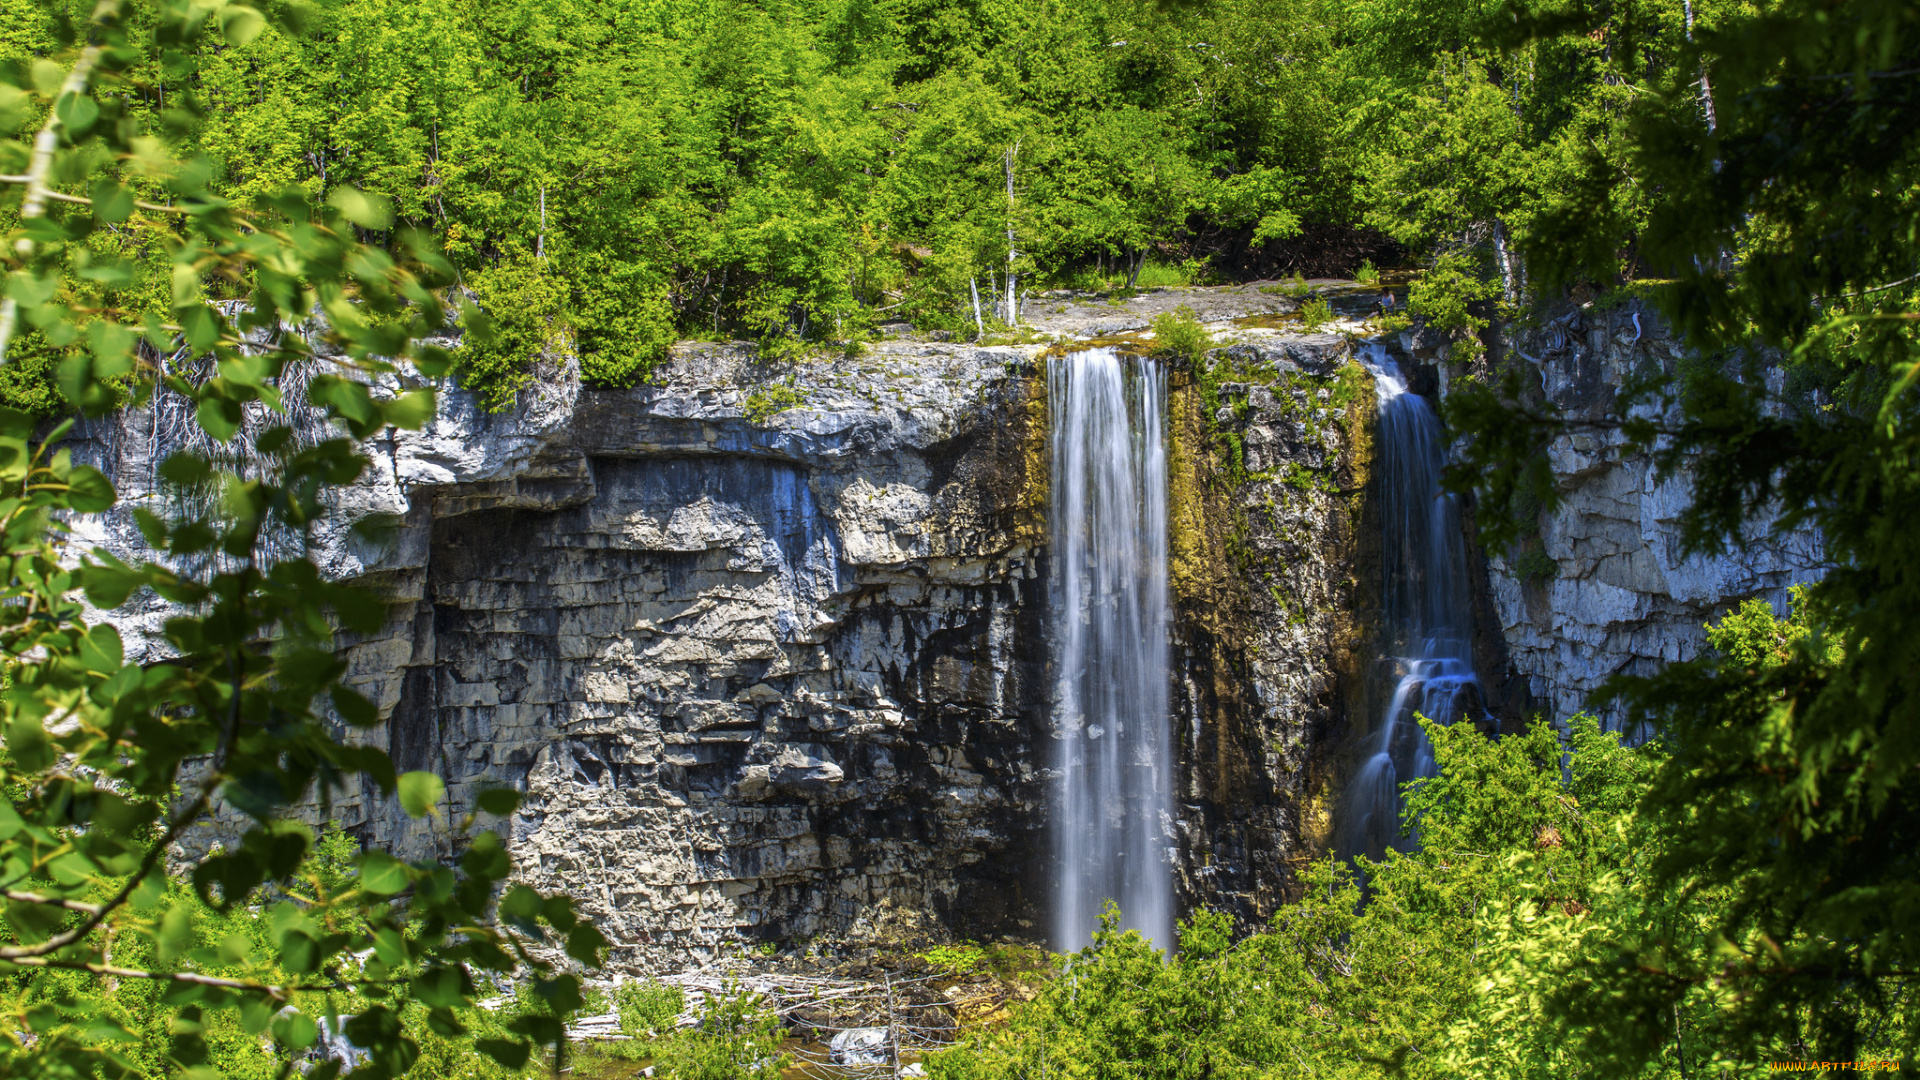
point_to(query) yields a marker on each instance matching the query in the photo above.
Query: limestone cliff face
(1273, 578)
(1609, 590)
(761, 674)
(766, 644)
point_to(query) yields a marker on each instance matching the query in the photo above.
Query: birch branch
(39, 192)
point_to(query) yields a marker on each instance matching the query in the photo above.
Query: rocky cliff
(1603, 587)
(765, 644)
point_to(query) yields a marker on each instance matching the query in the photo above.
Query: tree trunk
(1509, 276)
(1013, 311)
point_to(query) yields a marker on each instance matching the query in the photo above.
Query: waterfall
(1426, 605)
(1114, 793)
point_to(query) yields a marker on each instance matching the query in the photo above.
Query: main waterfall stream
(1114, 793)
(1427, 605)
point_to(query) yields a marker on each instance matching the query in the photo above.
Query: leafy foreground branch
(116, 772)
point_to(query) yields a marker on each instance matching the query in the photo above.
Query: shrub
(1179, 333)
(962, 959)
(736, 1040)
(520, 318)
(1534, 565)
(621, 320)
(1367, 274)
(1316, 313)
(1442, 295)
(648, 1009)
(763, 404)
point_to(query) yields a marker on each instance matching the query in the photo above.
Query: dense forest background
(628, 172)
(182, 175)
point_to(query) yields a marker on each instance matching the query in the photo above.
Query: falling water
(1427, 630)
(1113, 798)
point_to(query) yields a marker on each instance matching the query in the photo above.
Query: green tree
(1531, 855)
(110, 763)
(1777, 153)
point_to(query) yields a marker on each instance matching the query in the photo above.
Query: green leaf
(200, 326)
(487, 858)
(184, 469)
(89, 491)
(218, 417)
(27, 742)
(48, 77)
(509, 1053)
(559, 912)
(299, 952)
(390, 946)
(367, 210)
(77, 113)
(420, 792)
(112, 201)
(382, 874)
(584, 943)
(112, 344)
(256, 1012)
(497, 801)
(410, 411)
(444, 1023)
(100, 650)
(240, 24)
(354, 708)
(442, 988)
(296, 1031)
(10, 821)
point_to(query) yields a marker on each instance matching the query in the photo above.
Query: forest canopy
(618, 174)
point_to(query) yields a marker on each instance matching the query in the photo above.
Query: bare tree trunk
(1013, 312)
(893, 1036)
(1509, 285)
(1706, 85)
(979, 324)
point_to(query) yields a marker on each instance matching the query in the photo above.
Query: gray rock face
(1621, 596)
(861, 1046)
(1273, 581)
(759, 678)
(765, 644)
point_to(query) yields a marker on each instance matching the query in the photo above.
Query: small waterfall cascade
(1113, 797)
(1427, 611)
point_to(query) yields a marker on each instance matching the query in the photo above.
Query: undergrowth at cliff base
(1494, 949)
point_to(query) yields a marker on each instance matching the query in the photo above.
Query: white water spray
(1113, 799)
(1427, 607)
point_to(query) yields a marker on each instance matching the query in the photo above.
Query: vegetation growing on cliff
(1509, 944)
(1533, 863)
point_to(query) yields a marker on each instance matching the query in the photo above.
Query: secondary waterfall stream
(1114, 793)
(1427, 605)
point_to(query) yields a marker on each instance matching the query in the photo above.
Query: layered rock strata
(1603, 586)
(1274, 575)
(765, 645)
